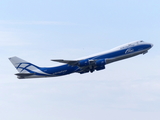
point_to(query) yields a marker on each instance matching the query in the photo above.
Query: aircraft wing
(75, 62)
(70, 62)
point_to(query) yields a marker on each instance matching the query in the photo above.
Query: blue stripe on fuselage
(60, 70)
(121, 52)
(67, 69)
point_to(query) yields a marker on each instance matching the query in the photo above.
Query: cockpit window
(141, 41)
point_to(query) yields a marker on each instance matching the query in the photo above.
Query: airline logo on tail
(25, 68)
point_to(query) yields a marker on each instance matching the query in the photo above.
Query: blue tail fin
(23, 66)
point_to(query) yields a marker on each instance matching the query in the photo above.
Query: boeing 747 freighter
(85, 65)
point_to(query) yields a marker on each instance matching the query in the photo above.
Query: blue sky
(38, 31)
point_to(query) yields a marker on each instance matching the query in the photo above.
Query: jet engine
(83, 63)
(100, 64)
(92, 65)
(100, 68)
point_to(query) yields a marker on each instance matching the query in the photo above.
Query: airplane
(84, 65)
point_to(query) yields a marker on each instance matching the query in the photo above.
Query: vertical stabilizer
(23, 66)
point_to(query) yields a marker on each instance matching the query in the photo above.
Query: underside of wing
(85, 65)
(83, 70)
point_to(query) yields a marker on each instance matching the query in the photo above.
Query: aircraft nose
(151, 45)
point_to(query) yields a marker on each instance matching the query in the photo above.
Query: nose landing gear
(145, 52)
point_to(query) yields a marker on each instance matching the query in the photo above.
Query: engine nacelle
(83, 63)
(100, 68)
(92, 65)
(101, 62)
(84, 72)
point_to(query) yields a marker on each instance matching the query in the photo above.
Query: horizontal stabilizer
(24, 74)
(70, 62)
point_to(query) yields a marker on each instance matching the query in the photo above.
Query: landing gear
(91, 69)
(145, 52)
